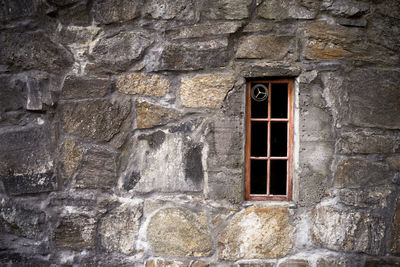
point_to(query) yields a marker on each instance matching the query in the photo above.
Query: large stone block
(174, 263)
(110, 11)
(17, 9)
(394, 163)
(395, 231)
(142, 84)
(226, 9)
(375, 197)
(345, 8)
(281, 10)
(33, 50)
(359, 173)
(382, 262)
(207, 29)
(30, 183)
(119, 227)
(76, 87)
(98, 120)
(12, 95)
(21, 220)
(75, 232)
(256, 232)
(149, 115)
(194, 55)
(206, 90)
(76, 15)
(70, 157)
(265, 46)
(180, 10)
(116, 52)
(179, 232)
(346, 230)
(294, 263)
(98, 170)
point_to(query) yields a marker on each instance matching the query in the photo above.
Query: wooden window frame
(289, 156)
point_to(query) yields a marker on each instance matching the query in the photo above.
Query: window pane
(278, 177)
(278, 139)
(279, 100)
(259, 138)
(259, 100)
(258, 181)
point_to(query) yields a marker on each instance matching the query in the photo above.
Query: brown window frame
(289, 156)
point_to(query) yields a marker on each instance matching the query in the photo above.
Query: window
(269, 139)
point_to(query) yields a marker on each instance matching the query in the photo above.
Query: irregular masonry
(122, 132)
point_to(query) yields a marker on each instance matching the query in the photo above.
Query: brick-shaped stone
(395, 231)
(226, 9)
(71, 156)
(75, 232)
(149, 115)
(30, 183)
(110, 11)
(142, 84)
(76, 87)
(207, 29)
(179, 10)
(265, 47)
(280, 10)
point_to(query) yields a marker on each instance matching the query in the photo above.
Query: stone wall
(122, 132)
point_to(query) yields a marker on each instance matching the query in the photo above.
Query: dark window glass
(279, 100)
(259, 107)
(259, 137)
(258, 181)
(278, 177)
(278, 139)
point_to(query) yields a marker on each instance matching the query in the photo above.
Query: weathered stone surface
(14, 9)
(226, 9)
(280, 10)
(77, 14)
(388, 8)
(85, 87)
(71, 157)
(385, 261)
(338, 262)
(205, 90)
(63, 2)
(30, 183)
(114, 53)
(359, 173)
(294, 263)
(375, 197)
(265, 46)
(99, 120)
(353, 22)
(264, 264)
(174, 263)
(75, 232)
(265, 69)
(149, 115)
(12, 96)
(15, 259)
(109, 11)
(385, 31)
(394, 163)
(345, 8)
(163, 163)
(395, 231)
(172, 9)
(142, 84)
(257, 233)
(368, 142)
(194, 56)
(178, 232)
(33, 51)
(119, 227)
(342, 230)
(379, 97)
(201, 30)
(20, 220)
(98, 170)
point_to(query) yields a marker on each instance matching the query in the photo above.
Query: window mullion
(269, 140)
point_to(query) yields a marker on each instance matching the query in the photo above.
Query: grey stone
(264, 264)
(119, 227)
(352, 22)
(149, 115)
(30, 183)
(201, 30)
(166, 263)
(388, 8)
(360, 173)
(183, 10)
(382, 262)
(110, 11)
(193, 165)
(43, 53)
(265, 69)
(118, 52)
(376, 197)
(345, 8)
(21, 220)
(178, 232)
(194, 56)
(77, 14)
(350, 231)
(98, 170)
(99, 120)
(75, 232)
(76, 87)
(226, 9)
(12, 95)
(265, 46)
(63, 2)
(17, 9)
(294, 263)
(280, 10)
(395, 231)
(394, 163)
(384, 31)
(70, 157)
(338, 262)
(15, 259)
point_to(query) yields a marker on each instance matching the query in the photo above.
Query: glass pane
(278, 139)
(259, 100)
(279, 100)
(259, 138)
(278, 177)
(258, 180)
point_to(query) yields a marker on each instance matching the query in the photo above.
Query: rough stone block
(76, 15)
(338, 262)
(294, 263)
(113, 53)
(16, 9)
(280, 10)
(375, 197)
(174, 263)
(178, 232)
(345, 8)
(12, 96)
(99, 120)
(20, 220)
(265, 46)
(194, 56)
(43, 53)
(15, 259)
(259, 233)
(394, 163)
(382, 262)
(179, 10)
(351, 231)
(395, 231)
(110, 11)
(119, 227)
(359, 173)
(142, 84)
(75, 232)
(30, 183)
(149, 115)
(384, 30)
(71, 156)
(226, 9)
(206, 90)
(208, 29)
(85, 87)
(264, 264)
(98, 170)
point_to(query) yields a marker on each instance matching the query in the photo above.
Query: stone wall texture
(122, 131)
